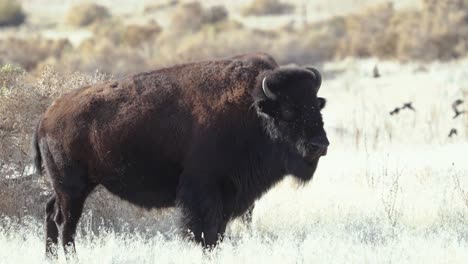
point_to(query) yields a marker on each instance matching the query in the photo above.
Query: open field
(393, 189)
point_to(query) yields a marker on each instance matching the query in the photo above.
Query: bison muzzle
(209, 137)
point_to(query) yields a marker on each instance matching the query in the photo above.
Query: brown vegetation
(11, 13)
(29, 53)
(438, 30)
(154, 7)
(191, 17)
(86, 14)
(136, 35)
(267, 7)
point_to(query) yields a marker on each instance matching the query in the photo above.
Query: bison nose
(320, 142)
(321, 145)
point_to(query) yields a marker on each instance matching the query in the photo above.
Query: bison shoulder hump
(259, 61)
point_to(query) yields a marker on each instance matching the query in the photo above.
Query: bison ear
(321, 102)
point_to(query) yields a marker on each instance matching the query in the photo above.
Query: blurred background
(121, 37)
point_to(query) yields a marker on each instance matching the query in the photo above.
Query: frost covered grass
(392, 189)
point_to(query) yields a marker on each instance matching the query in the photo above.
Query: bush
(9, 75)
(104, 55)
(187, 18)
(86, 14)
(115, 31)
(28, 53)
(135, 35)
(112, 29)
(11, 13)
(23, 195)
(150, 8)
(366, 33)
(22, 101)
(267, 7)
(215, 14)
(191, 17)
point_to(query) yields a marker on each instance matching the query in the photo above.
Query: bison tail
(36, 152)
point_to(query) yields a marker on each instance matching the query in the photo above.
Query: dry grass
(86, 14)
(11, 13)
(389, 200)
(191, 17)
(137, 35)
(31, 53)
(23, 99)
(267, 7)
(436, 31)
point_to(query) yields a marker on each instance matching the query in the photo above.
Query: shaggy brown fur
(198, 135)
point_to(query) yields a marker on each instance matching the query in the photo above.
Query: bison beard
(209, 137)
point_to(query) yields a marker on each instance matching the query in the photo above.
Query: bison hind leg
(71, 208)
(51, 229)
(71, 186)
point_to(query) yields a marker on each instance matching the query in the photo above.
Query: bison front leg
(202, 209)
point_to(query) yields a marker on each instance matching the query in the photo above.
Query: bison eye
(287, 114)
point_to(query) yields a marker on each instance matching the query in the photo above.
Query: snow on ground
(393, 189)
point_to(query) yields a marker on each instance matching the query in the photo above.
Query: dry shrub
(105, 56)
(23, 99)
(191, 17)
(313, 44)
(405, 31)
(11, 13)
(9, 76)
(21, 104)
(23, 197)
(267, 7)
(187, 17)
(306, 47)
(86, 14)
(28, 53)
(205, 44)
(151, 8)
(366, 33)
(115, 48)
(112, 30)
(215, 14)
(438, 31)
(115, 31)
(445, 24)
(135, 35)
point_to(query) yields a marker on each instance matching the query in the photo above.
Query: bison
(209, 137)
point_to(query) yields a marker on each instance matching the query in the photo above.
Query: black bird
(376, 72)
(408, 106)
(395, 111)
(455, 105)
(453, 132)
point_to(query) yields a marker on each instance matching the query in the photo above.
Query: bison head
(290, 109)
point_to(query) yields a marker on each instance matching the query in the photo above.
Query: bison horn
(318, 76)
(267, 91)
